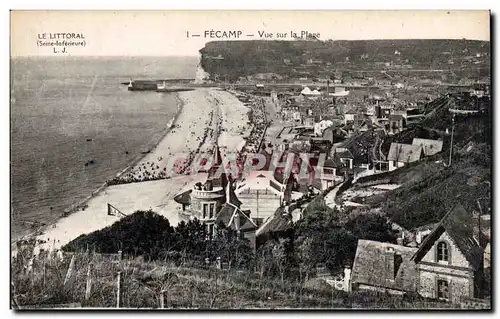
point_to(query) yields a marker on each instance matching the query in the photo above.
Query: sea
(68, 111)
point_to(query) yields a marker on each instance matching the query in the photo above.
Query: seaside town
(391, 207)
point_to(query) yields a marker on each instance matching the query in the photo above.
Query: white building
(430, 147)
(401, 154)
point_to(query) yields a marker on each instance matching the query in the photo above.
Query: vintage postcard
(250, 160)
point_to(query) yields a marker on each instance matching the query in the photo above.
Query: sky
(163, 33)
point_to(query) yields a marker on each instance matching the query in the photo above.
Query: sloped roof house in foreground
(448, 265)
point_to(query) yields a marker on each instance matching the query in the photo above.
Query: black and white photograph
(250, 160)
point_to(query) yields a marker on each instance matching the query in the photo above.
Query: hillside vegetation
(142, 284)
(244, 58)
(152, 281)
(429, 188)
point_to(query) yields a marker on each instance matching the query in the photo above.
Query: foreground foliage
(142, 284)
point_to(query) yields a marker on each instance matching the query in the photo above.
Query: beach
(208, 116)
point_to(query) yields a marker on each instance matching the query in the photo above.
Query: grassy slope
(186, 287)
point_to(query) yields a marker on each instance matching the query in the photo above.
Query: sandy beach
(208, 116)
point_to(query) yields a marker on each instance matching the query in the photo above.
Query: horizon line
(234, 40)
(103, 56)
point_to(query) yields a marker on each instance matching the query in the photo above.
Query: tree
(280, 257)
(372, 227)
(191, 237)
(160, 285)
(306, 261)
(230, 247)
(338, 249)
(262, 257)
(143, 233)
(305, 254)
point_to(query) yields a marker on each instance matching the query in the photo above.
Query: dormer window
(442, 252)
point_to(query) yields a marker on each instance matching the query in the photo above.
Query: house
(362, 123)
(450, 261)
(309, 121)
(205, 200)
(231, 216)
(331, 174)
(349, 117)
(430, 147)
(448, 265)
(260, 193)
(339, 91)
(383, 267)
(401, 154)
(396, 123)
(345, 156)
(381, 112)
(320, 126)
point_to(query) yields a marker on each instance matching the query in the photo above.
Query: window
(205, 211)
(211, 210)
(394, 163)
(208, 210)
(443, 289)
(442, 252)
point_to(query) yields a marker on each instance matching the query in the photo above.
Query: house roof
(405, 153)
(333, 162)
(430, 147)
(258, 180)
(384, 265)
(229, 214)
(217, 162)
(231, 196)
(459, 225)
(343, 152)
(183, 198)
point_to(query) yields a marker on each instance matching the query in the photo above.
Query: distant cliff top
(233, 59)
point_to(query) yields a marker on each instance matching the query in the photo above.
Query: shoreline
(202, 115)
(74, 208)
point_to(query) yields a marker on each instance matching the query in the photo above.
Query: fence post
(70, 269)
(88, 287)
(118, 290)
